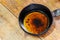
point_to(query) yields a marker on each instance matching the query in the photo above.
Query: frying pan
(35, 8)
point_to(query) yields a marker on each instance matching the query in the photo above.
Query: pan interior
(35, 22)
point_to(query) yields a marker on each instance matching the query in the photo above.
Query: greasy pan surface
(35, 8)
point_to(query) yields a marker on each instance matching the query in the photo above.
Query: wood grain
(15, 6)
(9, 26)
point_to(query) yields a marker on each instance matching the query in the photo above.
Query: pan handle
(56, 13)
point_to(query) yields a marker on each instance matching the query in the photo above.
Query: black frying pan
(34, 8)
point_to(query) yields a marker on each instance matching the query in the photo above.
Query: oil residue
(35, 22)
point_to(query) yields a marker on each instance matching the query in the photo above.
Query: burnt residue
(37, 22)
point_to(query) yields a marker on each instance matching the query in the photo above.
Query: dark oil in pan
(35, 22)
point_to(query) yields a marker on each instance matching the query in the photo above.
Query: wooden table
(9, 24)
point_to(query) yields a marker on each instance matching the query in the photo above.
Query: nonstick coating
(35, 8)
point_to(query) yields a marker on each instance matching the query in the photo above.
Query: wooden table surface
(9, 24)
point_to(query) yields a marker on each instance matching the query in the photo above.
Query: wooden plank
(15, 6)
(53, 33)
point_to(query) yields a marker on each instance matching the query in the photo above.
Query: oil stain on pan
(35, 19)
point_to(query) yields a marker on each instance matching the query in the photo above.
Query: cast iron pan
(35, 8)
